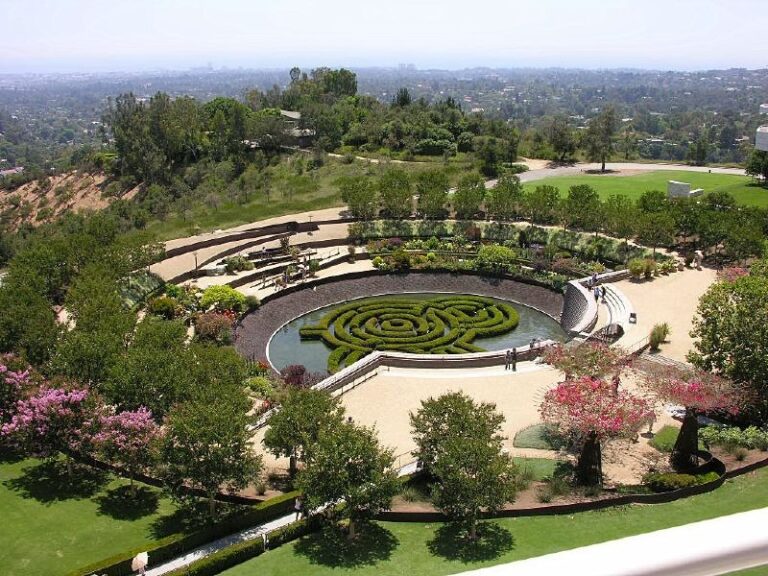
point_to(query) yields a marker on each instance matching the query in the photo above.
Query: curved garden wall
(254, 332)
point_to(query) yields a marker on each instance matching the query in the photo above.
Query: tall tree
(432, 189)
(699, 392)
(207, 445)
(592, 411)
(396, 192)
(541, 205)
(360, 196)
(303, 416)
(348, 465)
(583, 208)
(506, 200)
(731, 337)
(460, 444)
(619, 217)
(468, 196)
(561, 138)
(600, 135)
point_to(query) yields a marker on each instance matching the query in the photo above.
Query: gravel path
(254, 332)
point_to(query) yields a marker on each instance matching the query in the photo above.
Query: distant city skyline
(41, 36)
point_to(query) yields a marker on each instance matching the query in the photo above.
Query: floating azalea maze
(435, 325)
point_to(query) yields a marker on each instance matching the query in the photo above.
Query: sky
(137, 35)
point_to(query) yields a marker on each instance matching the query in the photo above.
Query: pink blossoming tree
(592, 359)
(49, 422)
(698, 392)
(13, 382)
(127, 439)
(591, 411)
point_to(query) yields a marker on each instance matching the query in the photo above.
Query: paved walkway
(175, 266)
(252, 533)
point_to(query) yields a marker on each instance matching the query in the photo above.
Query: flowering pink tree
(49, 422)
(592, 359)
(13, 382)
(127, 439)
(698, 392)
(592, 411)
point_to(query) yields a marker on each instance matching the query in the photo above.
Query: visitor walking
(603, 290)
(297, 507)
(507, 359)
(596, 292)
(514, 359)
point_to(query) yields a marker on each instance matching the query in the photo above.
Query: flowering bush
(732, 273)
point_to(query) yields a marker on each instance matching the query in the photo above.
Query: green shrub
(252, 302)
(664, 440)
(176, 545)
(223, 298)
(163, 306)
(668, 481)
(262, 386)
(636, 268)
(236, 264)
(731, 437)
(658, 335)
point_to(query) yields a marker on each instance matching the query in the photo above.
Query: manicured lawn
(53, 524)
(741, 187)
(433, 549)
(539, 468)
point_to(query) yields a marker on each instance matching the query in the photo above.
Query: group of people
(597, 291)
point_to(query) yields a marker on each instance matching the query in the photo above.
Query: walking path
(175, 266)
(260, 531)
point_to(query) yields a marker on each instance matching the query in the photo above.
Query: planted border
(176, 545)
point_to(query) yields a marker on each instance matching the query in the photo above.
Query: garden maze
(434, 325)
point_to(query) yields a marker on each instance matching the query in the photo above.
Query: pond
(413, 322)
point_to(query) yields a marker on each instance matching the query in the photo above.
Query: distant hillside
(44, 200)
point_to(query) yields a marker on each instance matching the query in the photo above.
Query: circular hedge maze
(436, 325)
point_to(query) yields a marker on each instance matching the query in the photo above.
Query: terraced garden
(435, 325)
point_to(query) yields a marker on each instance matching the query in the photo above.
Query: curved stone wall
(253, 334)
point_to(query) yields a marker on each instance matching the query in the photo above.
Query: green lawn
(53, 524)
(742, 187)
(396, 548)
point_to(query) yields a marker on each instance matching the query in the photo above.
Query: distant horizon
(88, 36)
(212, 69)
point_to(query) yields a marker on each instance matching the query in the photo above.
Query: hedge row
(176, 545)
(441, 325)
(244, 551)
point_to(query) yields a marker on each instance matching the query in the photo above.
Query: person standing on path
(297, 507)
(596, 293)
(507, 359)
(514, 359)
(603, 290)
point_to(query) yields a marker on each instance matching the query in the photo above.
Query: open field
(741, 187)
(53, 524)
(433, 549)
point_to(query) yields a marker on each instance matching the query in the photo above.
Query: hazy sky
(113, 35)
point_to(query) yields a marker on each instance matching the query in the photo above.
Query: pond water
(286, 346)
